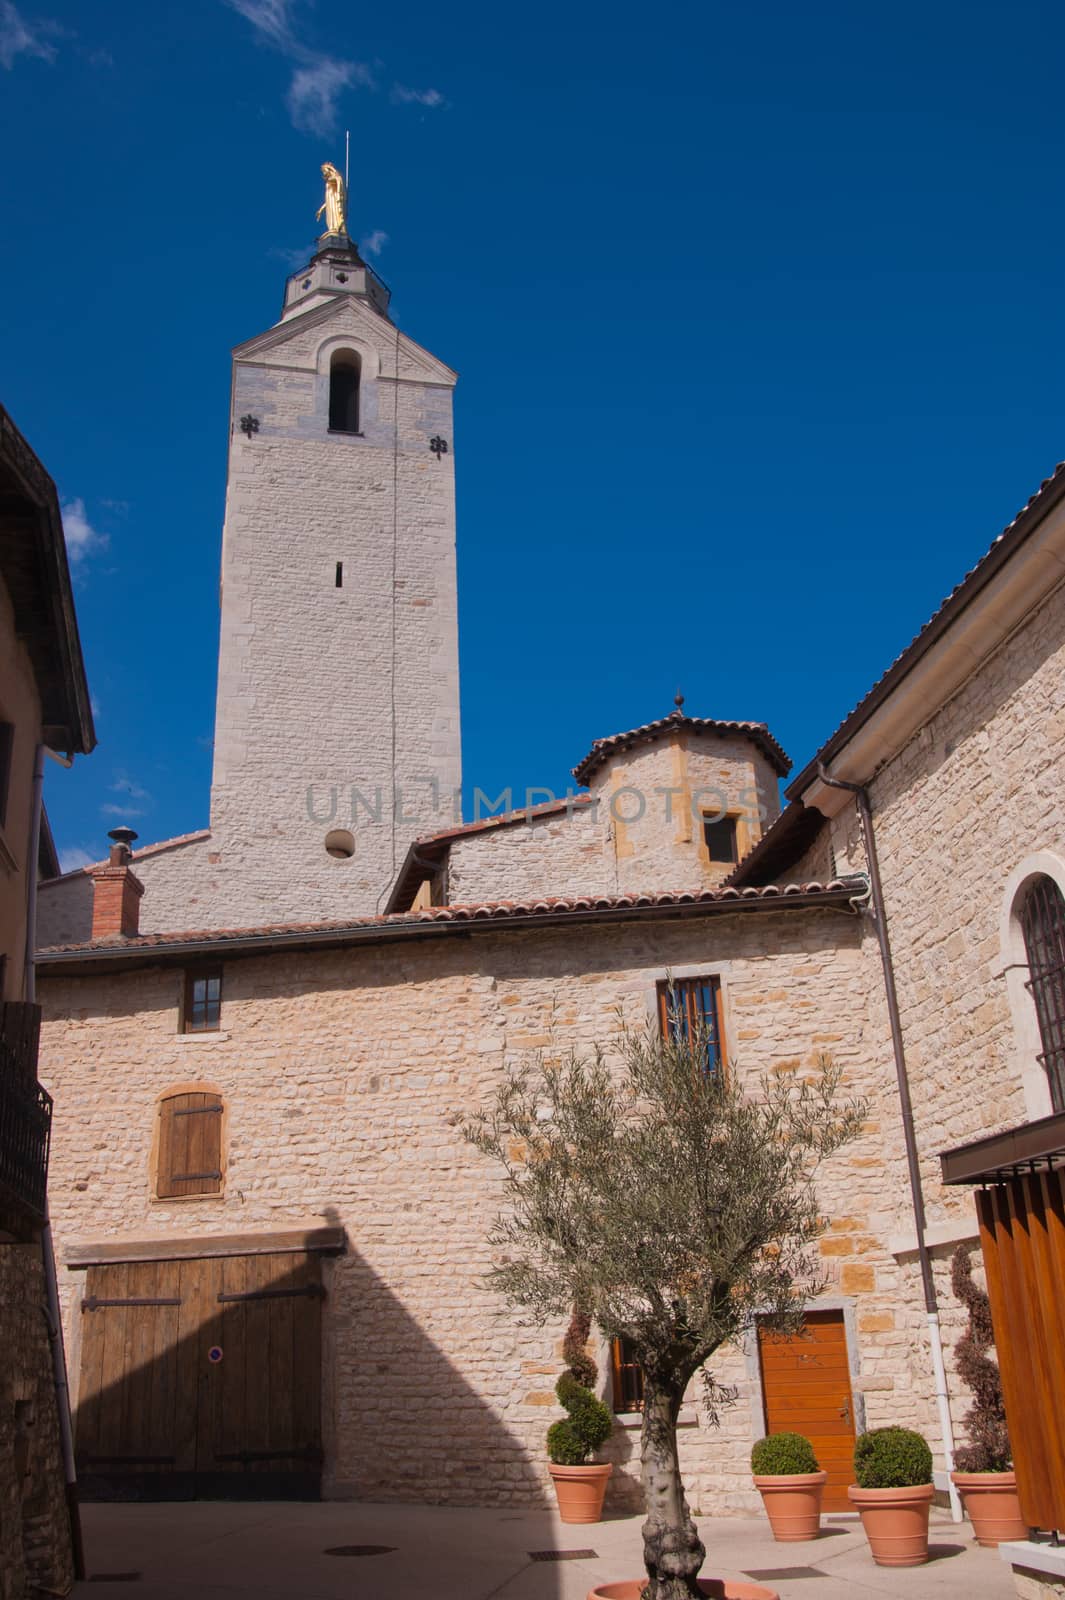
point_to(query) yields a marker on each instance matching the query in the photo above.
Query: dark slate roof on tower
(679, 722)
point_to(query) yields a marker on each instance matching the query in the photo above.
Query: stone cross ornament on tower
(335, 204)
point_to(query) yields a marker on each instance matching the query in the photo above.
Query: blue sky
(757, 311)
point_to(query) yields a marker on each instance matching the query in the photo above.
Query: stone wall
(343, 1074)
(978, 790)
(184, 889)
(323, 690)
(35, 1553)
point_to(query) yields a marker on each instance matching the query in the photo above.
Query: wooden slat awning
(1034, 1145)
(1022, 1235)
(106, 1252)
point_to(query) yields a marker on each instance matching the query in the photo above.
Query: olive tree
(674, 1205)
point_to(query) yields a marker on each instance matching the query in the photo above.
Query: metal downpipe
(913, 1165)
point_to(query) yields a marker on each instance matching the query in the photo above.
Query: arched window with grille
(1042, 918)
(189, 1149)
(344, 373)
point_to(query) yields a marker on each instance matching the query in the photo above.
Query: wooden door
(806, 1389)
(201, 1379)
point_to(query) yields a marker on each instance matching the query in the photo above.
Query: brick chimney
(116, 891)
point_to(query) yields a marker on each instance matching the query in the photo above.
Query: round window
(340, 844)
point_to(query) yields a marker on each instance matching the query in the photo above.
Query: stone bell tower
(337, 728)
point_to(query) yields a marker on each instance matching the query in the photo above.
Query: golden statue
(335, 204)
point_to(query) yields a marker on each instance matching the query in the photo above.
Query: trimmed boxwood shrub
(891, 1458)
(589, 1424)
(781, 1455)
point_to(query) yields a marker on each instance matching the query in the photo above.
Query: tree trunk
(672, 1550)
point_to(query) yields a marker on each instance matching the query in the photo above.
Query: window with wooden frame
(1043, 926)
(201, 1010)
(689, 1005)
(189, 1151)
(626, 1377)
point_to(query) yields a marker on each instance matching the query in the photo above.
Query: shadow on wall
(35, 1554)
(273, 1376)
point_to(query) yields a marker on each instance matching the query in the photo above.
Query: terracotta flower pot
(895, 1523)
(580, 1491)
(792, 1503)
(715, 1588)
(992, 1505)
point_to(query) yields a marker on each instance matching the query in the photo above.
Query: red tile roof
(439, 919)
(506, 819)
(679, 721)
(432, 848)
(136, 855)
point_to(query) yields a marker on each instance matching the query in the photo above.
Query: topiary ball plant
(783, 1455)
(891, 1458)
(589, 1424)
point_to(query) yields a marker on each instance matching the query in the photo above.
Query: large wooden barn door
(806, 1388)
(201, 1379)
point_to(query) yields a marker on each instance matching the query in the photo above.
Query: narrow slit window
(203, 1002)
(344, 393)
(340, 574)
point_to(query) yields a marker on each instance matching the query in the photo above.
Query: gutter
(913, 1166)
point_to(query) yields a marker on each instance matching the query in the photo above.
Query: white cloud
(404, 96)
(269, 17)
(314, 91)
(120, 811)
(124, 784)
(318, 79)
(74, 857)
(293, 259)
(375, 242)
(81, 536)
(21, 38)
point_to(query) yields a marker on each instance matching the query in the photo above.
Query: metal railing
(25, 1112)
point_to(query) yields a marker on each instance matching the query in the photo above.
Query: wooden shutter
(190, 1145)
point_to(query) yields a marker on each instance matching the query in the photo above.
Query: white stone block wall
(325, 693)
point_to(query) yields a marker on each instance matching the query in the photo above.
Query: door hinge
(95, 1303)
(309, 1291)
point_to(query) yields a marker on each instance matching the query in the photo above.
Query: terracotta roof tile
(498, 911)
(757, 732)
(136, 855)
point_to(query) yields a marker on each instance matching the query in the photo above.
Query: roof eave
(807, 783)
(66, 718)
(126, 954)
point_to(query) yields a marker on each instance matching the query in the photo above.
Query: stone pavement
(219, 1551)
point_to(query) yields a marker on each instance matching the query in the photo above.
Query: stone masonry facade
(343, 1075)
(642, 830)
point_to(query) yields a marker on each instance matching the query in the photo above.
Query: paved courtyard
(217, 1551)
